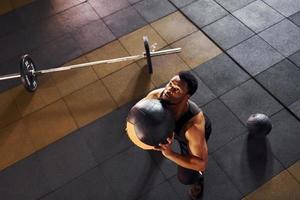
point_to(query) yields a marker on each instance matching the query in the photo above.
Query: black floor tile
(152, 10)
(287, 7)
(225, 126)
(250, 98)
(9, 23)
(258, 16)
(228, 32)
(43, 31)
(203, 95)
(204, 12)
(13, 45)
(295, 58)
(66, 159)
(284, 37)
(9, 67)
(91, 185)
(255, 55)
(285, 137)
(107, 7)
(107, 136)
(161, 192)
(93, 35)
(221, 74)
(124, 21)
(61, 5)
(56, 53)
(283, 81)
(216, 184)
(248, 162)
(296, 18)
(181, 3)
(35, 11)
(23, 180)
(295, 108)
(168, 167)
(232, 5)
(132, 173)
(77, 16)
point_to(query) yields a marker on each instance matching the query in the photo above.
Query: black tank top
(192, 111)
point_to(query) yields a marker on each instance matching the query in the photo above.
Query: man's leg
(192, 178)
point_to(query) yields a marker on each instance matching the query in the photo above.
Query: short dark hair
(190, 80)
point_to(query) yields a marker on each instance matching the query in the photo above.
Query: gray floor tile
(93, 35)
(66, 159)
(221, 74)
(296, 18)
(181, 3)
(124, 21)
(250, 98)
(258, 16)
(283, 81)
(204, 12)
(9, 23)
(35, 11)
(61, 50)
(24, 180)
(285, 137)
(132, 173)
(295, 58)
(61, 5)
(216, 184)
(91, 185)
(152, 10)
(232, 5)
(77, 16)
(103, 135)
(248, 162)
(283, 36)
(107, 7)
(203, 95)
(295, 108)
(228, 32)
(286, 7)
(133, 1)
(161, 192)
(225, 126)
(255, 55)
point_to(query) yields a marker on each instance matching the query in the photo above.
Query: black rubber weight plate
(27, 72)
(148, 55)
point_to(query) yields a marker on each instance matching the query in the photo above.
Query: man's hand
(166, 149)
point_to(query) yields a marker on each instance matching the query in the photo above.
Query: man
(192, 131)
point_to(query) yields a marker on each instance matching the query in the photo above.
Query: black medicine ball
(153, 122)
(259, 124)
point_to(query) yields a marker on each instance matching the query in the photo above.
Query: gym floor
(67, 140)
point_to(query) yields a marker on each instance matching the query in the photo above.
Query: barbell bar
(28, 72)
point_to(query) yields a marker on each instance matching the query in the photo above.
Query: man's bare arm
(197, 160)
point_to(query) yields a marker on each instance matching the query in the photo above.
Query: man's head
(180, 88)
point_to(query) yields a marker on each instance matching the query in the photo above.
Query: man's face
(175, 91)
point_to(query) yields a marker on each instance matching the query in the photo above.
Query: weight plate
(148, 55)
(27, 72)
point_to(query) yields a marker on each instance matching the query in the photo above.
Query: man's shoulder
(154, 94)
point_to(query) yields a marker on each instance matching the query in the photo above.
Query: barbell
(28, 72)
